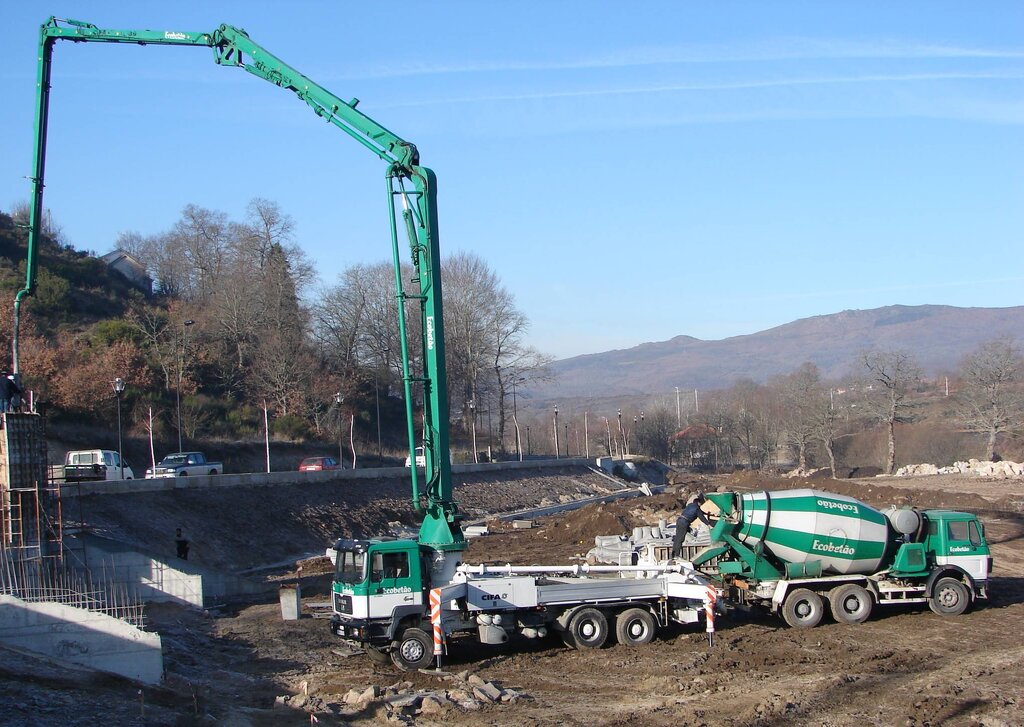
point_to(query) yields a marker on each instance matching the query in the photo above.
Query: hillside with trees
(237, 323)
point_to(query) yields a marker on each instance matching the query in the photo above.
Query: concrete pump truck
(398, 599)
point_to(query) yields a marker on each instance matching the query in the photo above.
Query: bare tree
(991, 400)
(801, 394)
(889, 377)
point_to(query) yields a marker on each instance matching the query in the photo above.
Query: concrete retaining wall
(264, 479)
(90, 639)
(156, 580)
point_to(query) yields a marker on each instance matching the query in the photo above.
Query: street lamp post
(338, 398)
(679, 411)
(566, 427)
(118, 390)
(181, 358)
(529, 449)
(621, 438)
(515, 419)
(556, 432)
(472, 416)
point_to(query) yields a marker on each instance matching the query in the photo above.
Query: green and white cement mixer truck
(795, 550)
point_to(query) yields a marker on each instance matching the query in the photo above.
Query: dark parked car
(318, 464)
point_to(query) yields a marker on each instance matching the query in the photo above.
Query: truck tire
(413, 650)
(588, 629)
(950, 597)
(213, 472)
(851, 603)
(635, 627)
(803, 609)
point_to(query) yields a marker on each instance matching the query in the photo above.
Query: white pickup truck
(182, 464)
(88, 465)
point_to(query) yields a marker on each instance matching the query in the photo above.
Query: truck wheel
(588, 629)
(635, 627)
(950, 597)
(413, 650)
(803, 609)
(851, 604)
(213, 472)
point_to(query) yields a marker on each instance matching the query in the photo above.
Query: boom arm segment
(233, 47)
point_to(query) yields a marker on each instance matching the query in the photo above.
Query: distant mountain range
(937, 335)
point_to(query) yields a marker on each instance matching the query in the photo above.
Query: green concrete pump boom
(233, 47)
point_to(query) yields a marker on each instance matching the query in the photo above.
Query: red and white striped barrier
(435, 620)
(709, 613)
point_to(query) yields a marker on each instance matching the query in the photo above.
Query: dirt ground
(230, 666)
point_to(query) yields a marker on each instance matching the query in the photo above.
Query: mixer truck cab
(957, 540)
(794, 551)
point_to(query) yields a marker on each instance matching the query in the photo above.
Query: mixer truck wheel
(414, 649)
(950, 597)
(851, 604)
(635, 627)
(588, 629)
(803, 609)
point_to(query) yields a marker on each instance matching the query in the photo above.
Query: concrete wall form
(88, 638)
(264, 479)
(153, 579)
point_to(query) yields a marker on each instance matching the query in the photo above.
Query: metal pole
(181, 360)
(472, 415)
(515, 420)
(118, 388)
(556, 432)
(177, 393)
(679, 411)
(621, 437)
(266, 431)
(586, 433)
(338, 398)
(376, 394)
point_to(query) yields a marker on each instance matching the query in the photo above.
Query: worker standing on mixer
(691, 512)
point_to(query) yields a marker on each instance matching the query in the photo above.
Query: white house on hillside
(131, 268)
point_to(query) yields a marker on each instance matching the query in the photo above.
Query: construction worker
(690, 513)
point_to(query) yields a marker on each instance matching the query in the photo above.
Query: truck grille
(342, 604)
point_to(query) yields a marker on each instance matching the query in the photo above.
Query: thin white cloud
(724, 86)
(778, 50)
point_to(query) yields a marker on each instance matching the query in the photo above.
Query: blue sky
(632, 171)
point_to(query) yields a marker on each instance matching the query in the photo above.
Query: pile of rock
(1001, 470)
(402, 702)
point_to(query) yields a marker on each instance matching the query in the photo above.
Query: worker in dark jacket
(690, 513)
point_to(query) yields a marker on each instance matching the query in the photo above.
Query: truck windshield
(175, 459)
(351, 567)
